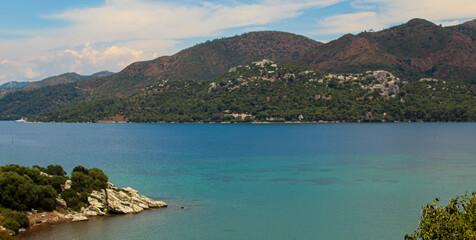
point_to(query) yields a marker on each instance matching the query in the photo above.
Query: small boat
(21, 120)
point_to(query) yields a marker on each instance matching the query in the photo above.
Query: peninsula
(37, 195)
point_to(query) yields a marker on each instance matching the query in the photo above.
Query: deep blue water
(258, 181)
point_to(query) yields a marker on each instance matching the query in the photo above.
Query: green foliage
(23, 188)
(18, 217)
(6, 236)
(84, 181)
(282, 93)
(11, 224)
(81, 169)
(27, 103)
(457, 220)
(56, 182)
(22, 193)
(74, 199)
(56, 170)
(88, 179)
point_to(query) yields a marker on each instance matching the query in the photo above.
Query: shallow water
(257, 181)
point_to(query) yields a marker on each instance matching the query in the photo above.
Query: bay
(257, 181)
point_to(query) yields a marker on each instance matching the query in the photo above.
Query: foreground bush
(457, 220)
(13, 220)
(20, 192)
(6, 236)
(84, 181)
(24, 188)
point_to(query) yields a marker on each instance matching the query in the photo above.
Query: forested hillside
(265, 91)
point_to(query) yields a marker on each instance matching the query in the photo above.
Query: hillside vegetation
(28, 103)
(411, 51)
(26, 189)
(266, 91)
(452, 221)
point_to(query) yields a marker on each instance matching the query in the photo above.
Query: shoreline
(273, 122)
(108, 202)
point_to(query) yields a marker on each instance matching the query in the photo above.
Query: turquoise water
(257, 181)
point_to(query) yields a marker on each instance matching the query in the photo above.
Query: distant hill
(467, 28)
(411, 51)
(13, 85)
(416, 49)
(204, 61)
(27, 103)
(269, 92)
(65, 78)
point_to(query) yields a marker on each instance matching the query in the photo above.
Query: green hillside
(27, 103)
(267, 92)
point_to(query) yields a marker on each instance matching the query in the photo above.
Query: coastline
(265, 122)
(105, 203)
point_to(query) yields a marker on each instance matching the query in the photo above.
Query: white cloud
(120, 32)
(112, 57)
(377, 14)
(18, 70)
(346, 23)
(447, 23)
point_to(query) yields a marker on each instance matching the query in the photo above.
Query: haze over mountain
(13, 85)
(65, 78)
(410, 51)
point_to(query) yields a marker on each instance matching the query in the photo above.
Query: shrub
(21, 193)
(88, 180)
(19, 217)
(74, 199)
(11, 224)
(57, 181)
(55, 170)
(81, 181)
(457, 220)
(6, 236)
(81, 169)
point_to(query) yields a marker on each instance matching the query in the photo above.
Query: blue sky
(39, 39)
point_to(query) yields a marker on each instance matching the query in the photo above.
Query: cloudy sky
(39, 39)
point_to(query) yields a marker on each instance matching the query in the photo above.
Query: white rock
(130, 190)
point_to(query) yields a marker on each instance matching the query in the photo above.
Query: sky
(44, 38)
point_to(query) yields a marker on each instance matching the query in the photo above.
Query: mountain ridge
(205, 61)
(415, 49)
(65, 78)
(411, 51)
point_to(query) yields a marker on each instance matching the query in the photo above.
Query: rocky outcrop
(112, 200)
(120, 201)
(66, 185)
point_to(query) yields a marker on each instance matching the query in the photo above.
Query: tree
(55, 170)
(457, 220)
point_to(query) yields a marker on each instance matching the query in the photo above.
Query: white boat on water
(21, 120)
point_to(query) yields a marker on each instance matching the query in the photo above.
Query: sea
(257, 181)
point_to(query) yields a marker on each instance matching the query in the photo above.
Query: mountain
(27, 103)
(411, 51)
(204, 61)
(65, 78)
(416, 49)
(266, 91)
(13, 85)
(467, 28)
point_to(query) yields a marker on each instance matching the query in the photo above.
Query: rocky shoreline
(111, 200)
